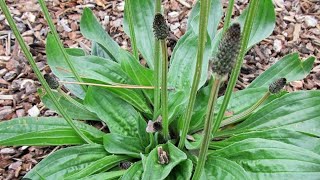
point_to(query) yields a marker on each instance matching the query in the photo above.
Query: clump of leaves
(270, 133)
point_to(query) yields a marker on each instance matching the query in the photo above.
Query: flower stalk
(157, 68)
(36, 70)
(236, 71)
(222, 66)
(204, 14)
(132, 31)
(56, 37)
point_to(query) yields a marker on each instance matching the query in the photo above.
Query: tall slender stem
(236, 71)
(132, 31)
(246, 113)
(164, 90)
(207, 129)
(56, 37)
(157, 68)
(204, 9)
(227, 19)
(38, 73)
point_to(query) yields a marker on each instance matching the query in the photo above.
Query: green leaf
(139, 75)
(91, 29)
(102, 164)
(119, 144)
(284, 135)
(75, 52)
(64, 162)
(44, 131)
(98, 50)
(120, 116)
(289, 67)
(94, 69)
(268, 159)
(263, 24)
(215, 14)
(74, 108)
(105, 176)
(239, 101)
(134, 172)
(222, 168)
(182, 171)
(297, 111)
(154, 170)
(142, 14)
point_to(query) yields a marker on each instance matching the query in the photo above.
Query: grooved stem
(132, 32)
(246, 113)
(204, 9)
(164, 91)
(56, 37)
(38, 73)
(207, 129)
(157, 68)
(236, 71)
(227, 19)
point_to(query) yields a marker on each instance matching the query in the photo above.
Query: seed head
(277, 85)
(228, 51)
(163, 156)
(125, 165)
(160, 28)
(52, 81)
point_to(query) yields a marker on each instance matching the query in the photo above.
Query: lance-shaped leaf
(92, 29)
(44, 131)
(263, 24)
(142, 14)
(222, 168)
(288, 136)
(297, 111)
(155, 170)
(134, 172)
(65, 162)
(182, 171)
(269, 159)
(289, 67)
(102, 164)
(93, 69)
(105, 176)
(120, 116)
(120, 144)
(74, 108)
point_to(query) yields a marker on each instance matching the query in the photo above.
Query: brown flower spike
(277, 85)
(52, 81)
(160, 28)
(228, 51)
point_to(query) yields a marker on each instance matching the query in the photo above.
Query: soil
(297, 30)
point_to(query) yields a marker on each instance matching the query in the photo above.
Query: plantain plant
(170, 123)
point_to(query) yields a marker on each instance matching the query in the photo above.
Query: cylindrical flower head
(160, 28)
(277, 85)
(52, 81)
(228, 51)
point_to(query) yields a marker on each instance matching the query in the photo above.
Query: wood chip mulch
(297, 30)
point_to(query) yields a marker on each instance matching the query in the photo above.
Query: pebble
(4, 111)
(3, 72)
(7, 151)
(277, 45)
(20, 112)
(34, 111)
(173, 16)
(9, 76)
(174, 26)
(310, 21)
(120, 6)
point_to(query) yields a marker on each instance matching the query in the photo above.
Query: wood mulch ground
(297, 30)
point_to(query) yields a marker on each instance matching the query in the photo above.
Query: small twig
(183, 2)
